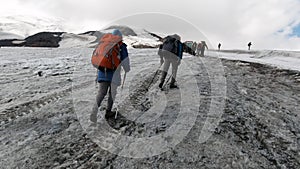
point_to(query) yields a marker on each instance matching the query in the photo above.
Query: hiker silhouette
(219, 46)
(109, 79)
(249, 45)
(170, 53)
(199, 48)
(203, 48)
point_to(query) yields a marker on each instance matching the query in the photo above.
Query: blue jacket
(180, 50)
(115, 76)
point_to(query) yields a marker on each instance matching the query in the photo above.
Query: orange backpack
(106, 54)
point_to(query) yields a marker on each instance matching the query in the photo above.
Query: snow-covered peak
(137, 37)
(5, 35)
(21, 27)
(25, 26)
(133, 37)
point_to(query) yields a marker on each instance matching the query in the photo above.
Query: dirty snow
(42, 127)
(281, 59)
(29, 25)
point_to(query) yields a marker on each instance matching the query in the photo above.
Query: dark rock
(9, 100)
(44, 39)
(11, 42)
(25, 67)
(142, 46)
(156, 36)
(40, 73)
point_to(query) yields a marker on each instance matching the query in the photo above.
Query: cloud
(268, 24)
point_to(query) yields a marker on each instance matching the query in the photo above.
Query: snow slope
(142, 39)
(5, 35)
(25, 26)
(20, 27)
(281, 59)
(42, 117)
(73, 40)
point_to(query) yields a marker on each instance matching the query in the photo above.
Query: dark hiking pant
(170, 60)
(104, 87)
(202, 52)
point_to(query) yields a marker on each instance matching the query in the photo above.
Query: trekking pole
(96, 80)
(121, 93)
(153, 77)
(123, 80)
(167, 80)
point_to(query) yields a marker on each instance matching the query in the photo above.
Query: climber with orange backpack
(109, 56)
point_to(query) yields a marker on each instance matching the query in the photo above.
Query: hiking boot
(162, 79)
(109, 114)
(161, 84)
(173, 86)
(93, 116)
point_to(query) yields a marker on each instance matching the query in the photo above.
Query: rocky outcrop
(43, 39)
(54, 39)
(156, 36)
(12, 42)
(142, 46)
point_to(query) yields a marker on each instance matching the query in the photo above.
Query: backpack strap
(116, 50)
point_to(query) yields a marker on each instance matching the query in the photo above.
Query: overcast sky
(268, 24)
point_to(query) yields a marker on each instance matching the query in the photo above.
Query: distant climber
(219, 46)
(170, 52)
(249, 45)
(203, 48)
(199, 48)
(108, 57)
(187, 48)
(194, 46)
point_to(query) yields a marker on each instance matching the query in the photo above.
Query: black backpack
(170, 44)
